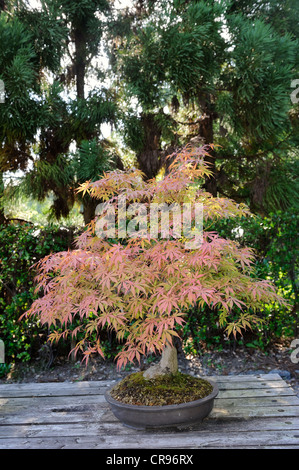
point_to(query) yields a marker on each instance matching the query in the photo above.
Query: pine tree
(224, 71)
(64, 38)
(20, 111)
(218, 72)
(79, 120)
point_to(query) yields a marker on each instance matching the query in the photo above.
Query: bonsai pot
(143, 417)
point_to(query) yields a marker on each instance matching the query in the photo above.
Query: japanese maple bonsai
(141, 285)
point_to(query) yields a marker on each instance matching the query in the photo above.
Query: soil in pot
(163, 390)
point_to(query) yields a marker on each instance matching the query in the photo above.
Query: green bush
(21, 246)
(274, 240)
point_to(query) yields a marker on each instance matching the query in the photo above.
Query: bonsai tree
(138, 274)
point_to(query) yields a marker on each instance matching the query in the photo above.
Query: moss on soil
(165, 390)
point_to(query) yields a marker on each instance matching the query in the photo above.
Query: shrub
(274, 240)
(20, 247)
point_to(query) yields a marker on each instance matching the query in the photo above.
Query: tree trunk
(80, 59)
(167, 365)
(89, 204)
(2, 216)
(89, 208)
(149, 157)
(206, 131)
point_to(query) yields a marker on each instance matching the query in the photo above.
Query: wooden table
(251, 411)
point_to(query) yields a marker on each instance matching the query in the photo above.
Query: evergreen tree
(217, 71)
(65, 37)
(20, 110)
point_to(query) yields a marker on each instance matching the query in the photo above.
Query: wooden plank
(41, 401)
(257, 411)
(95, 387)
(160, 441)
(50, 414)
(15, 399)
(246, 378)
(99, 428)
(55, 389)
(43, 404)
(251, 385)
(258, 401)
(251, 396)
(96, 412)
(64, 430)
(256, 392)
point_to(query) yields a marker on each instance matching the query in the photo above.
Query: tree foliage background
(160, 74)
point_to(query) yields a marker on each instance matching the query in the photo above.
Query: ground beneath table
(225, 362)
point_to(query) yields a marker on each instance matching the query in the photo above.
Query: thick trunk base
(167, 365)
